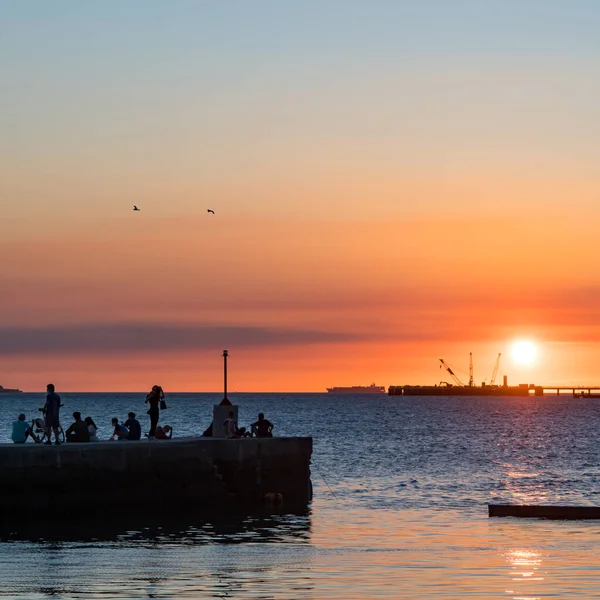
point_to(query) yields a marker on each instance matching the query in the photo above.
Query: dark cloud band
(125, 337)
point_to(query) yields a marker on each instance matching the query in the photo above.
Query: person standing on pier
(153, 399)
(51, 413)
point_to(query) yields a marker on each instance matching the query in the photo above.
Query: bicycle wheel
(61, 436)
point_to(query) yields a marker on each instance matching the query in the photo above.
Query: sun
(524, 353)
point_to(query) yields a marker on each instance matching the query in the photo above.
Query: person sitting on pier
(263, 427)
(78, 430)
(38, 425)
(134, 427)
(164, 433)
(120, 432)
(230, 425)
(21, 430)
(92, 429)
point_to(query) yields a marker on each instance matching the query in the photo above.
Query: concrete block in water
(544, 512)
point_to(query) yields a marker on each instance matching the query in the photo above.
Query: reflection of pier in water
(186, 531)
(165, 557)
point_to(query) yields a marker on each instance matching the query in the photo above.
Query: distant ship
(4, 390)
(358, 389)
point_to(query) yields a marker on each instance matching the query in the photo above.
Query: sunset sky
(393, 182)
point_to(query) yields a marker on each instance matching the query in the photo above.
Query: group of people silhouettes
(263, 428)
(84, 430)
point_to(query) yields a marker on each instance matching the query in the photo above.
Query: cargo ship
(4, 390)
(358, 389)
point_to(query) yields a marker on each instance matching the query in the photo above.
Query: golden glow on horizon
(524, 352)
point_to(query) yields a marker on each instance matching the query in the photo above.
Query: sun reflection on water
(525, 564)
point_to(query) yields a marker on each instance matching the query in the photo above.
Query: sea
(402, 487)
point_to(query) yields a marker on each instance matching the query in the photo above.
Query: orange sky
(300, 305)
(390, 188)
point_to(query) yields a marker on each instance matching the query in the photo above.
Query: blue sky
(104, 90)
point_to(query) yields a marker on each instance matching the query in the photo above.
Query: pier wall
(150, 476)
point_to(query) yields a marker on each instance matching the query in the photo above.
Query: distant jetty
(524, 389)
(458, 388)
(4, 390)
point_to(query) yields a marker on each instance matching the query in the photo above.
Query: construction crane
(451, 372)
(470, 369)
(495, 371)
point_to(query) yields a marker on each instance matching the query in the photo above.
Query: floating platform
(194, 475)
(529, 511)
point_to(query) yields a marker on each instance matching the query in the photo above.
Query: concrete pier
(199, 475)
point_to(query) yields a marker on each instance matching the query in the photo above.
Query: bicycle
(39, 428)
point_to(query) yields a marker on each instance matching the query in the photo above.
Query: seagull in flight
(135, 207)
(211, 211)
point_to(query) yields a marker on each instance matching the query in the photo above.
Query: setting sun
(524, 353)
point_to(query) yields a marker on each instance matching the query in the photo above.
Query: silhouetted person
(153, 399)
(135, 429)
(120, 431)
(230, 425)
(263, 427)
(164, 433)
(78, 430)
(21, 430)
(92, 429)
(51, 414)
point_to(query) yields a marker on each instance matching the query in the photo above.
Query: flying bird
(209, 210)
(135, 207)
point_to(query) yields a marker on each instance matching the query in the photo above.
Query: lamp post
(225, 400)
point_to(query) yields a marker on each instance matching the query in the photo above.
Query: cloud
(160, 337)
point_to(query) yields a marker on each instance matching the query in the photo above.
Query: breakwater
(524, 389)
(196, 475)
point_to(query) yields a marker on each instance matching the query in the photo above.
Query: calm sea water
(400, 510)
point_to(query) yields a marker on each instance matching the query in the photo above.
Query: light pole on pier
(225, 401)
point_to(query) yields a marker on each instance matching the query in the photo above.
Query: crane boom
(451, 372)
(470, 369)
(495, 371)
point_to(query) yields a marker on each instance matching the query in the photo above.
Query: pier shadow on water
(233, 556)
(180, 530)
